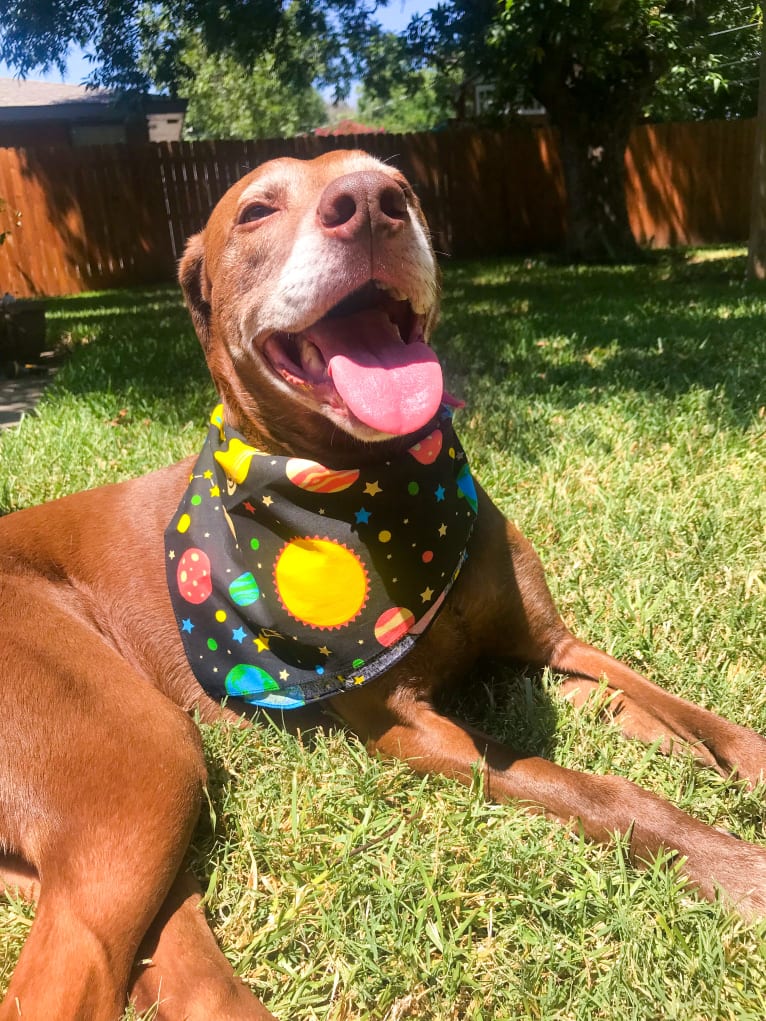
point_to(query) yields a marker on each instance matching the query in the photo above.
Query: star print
(427, 594)
(215, 491)
(207, 475)
(372, 488)
(261, 644)
(283, 675)
(362, 516)
(187, 626)
(249, 507)
(172, 554)
(325, 651)
(439, 494)
(239, 635)
(267, 501)
(442, 530)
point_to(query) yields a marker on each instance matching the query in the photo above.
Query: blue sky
(395, 16)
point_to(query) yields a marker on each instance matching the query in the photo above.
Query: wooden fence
(111, 216)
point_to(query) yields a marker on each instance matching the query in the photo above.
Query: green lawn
(619, 415)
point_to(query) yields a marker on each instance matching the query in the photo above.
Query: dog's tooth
(392, 292)
(312, 361)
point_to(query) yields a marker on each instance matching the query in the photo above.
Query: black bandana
(291, 582)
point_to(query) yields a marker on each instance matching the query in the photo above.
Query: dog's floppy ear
(192, 275)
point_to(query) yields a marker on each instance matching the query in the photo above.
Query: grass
(619, 415)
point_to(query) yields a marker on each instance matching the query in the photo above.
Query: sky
(393, 17)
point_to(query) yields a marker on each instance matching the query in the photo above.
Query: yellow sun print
(320, 582)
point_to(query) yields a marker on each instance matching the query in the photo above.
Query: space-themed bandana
(291, 581)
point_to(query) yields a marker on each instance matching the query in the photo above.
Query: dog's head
(313, 289)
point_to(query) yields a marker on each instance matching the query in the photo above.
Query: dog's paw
(744, 756)
(739, 878)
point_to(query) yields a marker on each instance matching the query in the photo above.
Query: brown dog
(313, 291)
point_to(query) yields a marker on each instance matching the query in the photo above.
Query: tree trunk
(593, 160)
(593, 115)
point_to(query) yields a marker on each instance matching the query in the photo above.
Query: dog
(314, 292)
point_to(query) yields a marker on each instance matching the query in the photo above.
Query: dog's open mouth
(367, 354)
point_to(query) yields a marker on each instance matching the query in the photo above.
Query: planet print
(320, 582)
(315, 478)
(246, 681)
(193, 576)
(278, 700)
(428, 449)
(467, 488)
(244, 590)
(393, 624)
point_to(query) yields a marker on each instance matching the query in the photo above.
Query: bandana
(291, 582)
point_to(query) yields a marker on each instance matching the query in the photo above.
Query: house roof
(24, 92)
(348, 127)
(23, 99)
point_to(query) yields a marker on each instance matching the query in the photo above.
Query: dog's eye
(255, 211)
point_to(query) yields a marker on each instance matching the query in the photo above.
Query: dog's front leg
(181, 973)
(505, 592)
(396, 722)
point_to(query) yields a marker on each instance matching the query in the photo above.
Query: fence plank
(119, 215)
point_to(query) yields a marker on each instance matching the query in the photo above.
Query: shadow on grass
(512, 331)
(136, 347)
(571, 335)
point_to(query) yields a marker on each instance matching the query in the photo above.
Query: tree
(717, 79)
(229, 101)
(415, 105)
(135, 45)
(594, 65)
(398, 96)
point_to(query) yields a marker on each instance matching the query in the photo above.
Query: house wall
(20, 134)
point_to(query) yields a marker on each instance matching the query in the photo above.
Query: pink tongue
(393, 387)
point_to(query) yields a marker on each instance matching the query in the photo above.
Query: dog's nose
(365, 200)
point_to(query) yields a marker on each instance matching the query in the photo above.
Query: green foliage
(718, 78)
(399, 96)
(665, 58)
(418, 102)
(619, 415)
(229, 101)
(135, 45)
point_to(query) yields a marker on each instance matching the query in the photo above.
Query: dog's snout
(365, 200)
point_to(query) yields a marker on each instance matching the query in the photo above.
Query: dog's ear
(192, 275)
